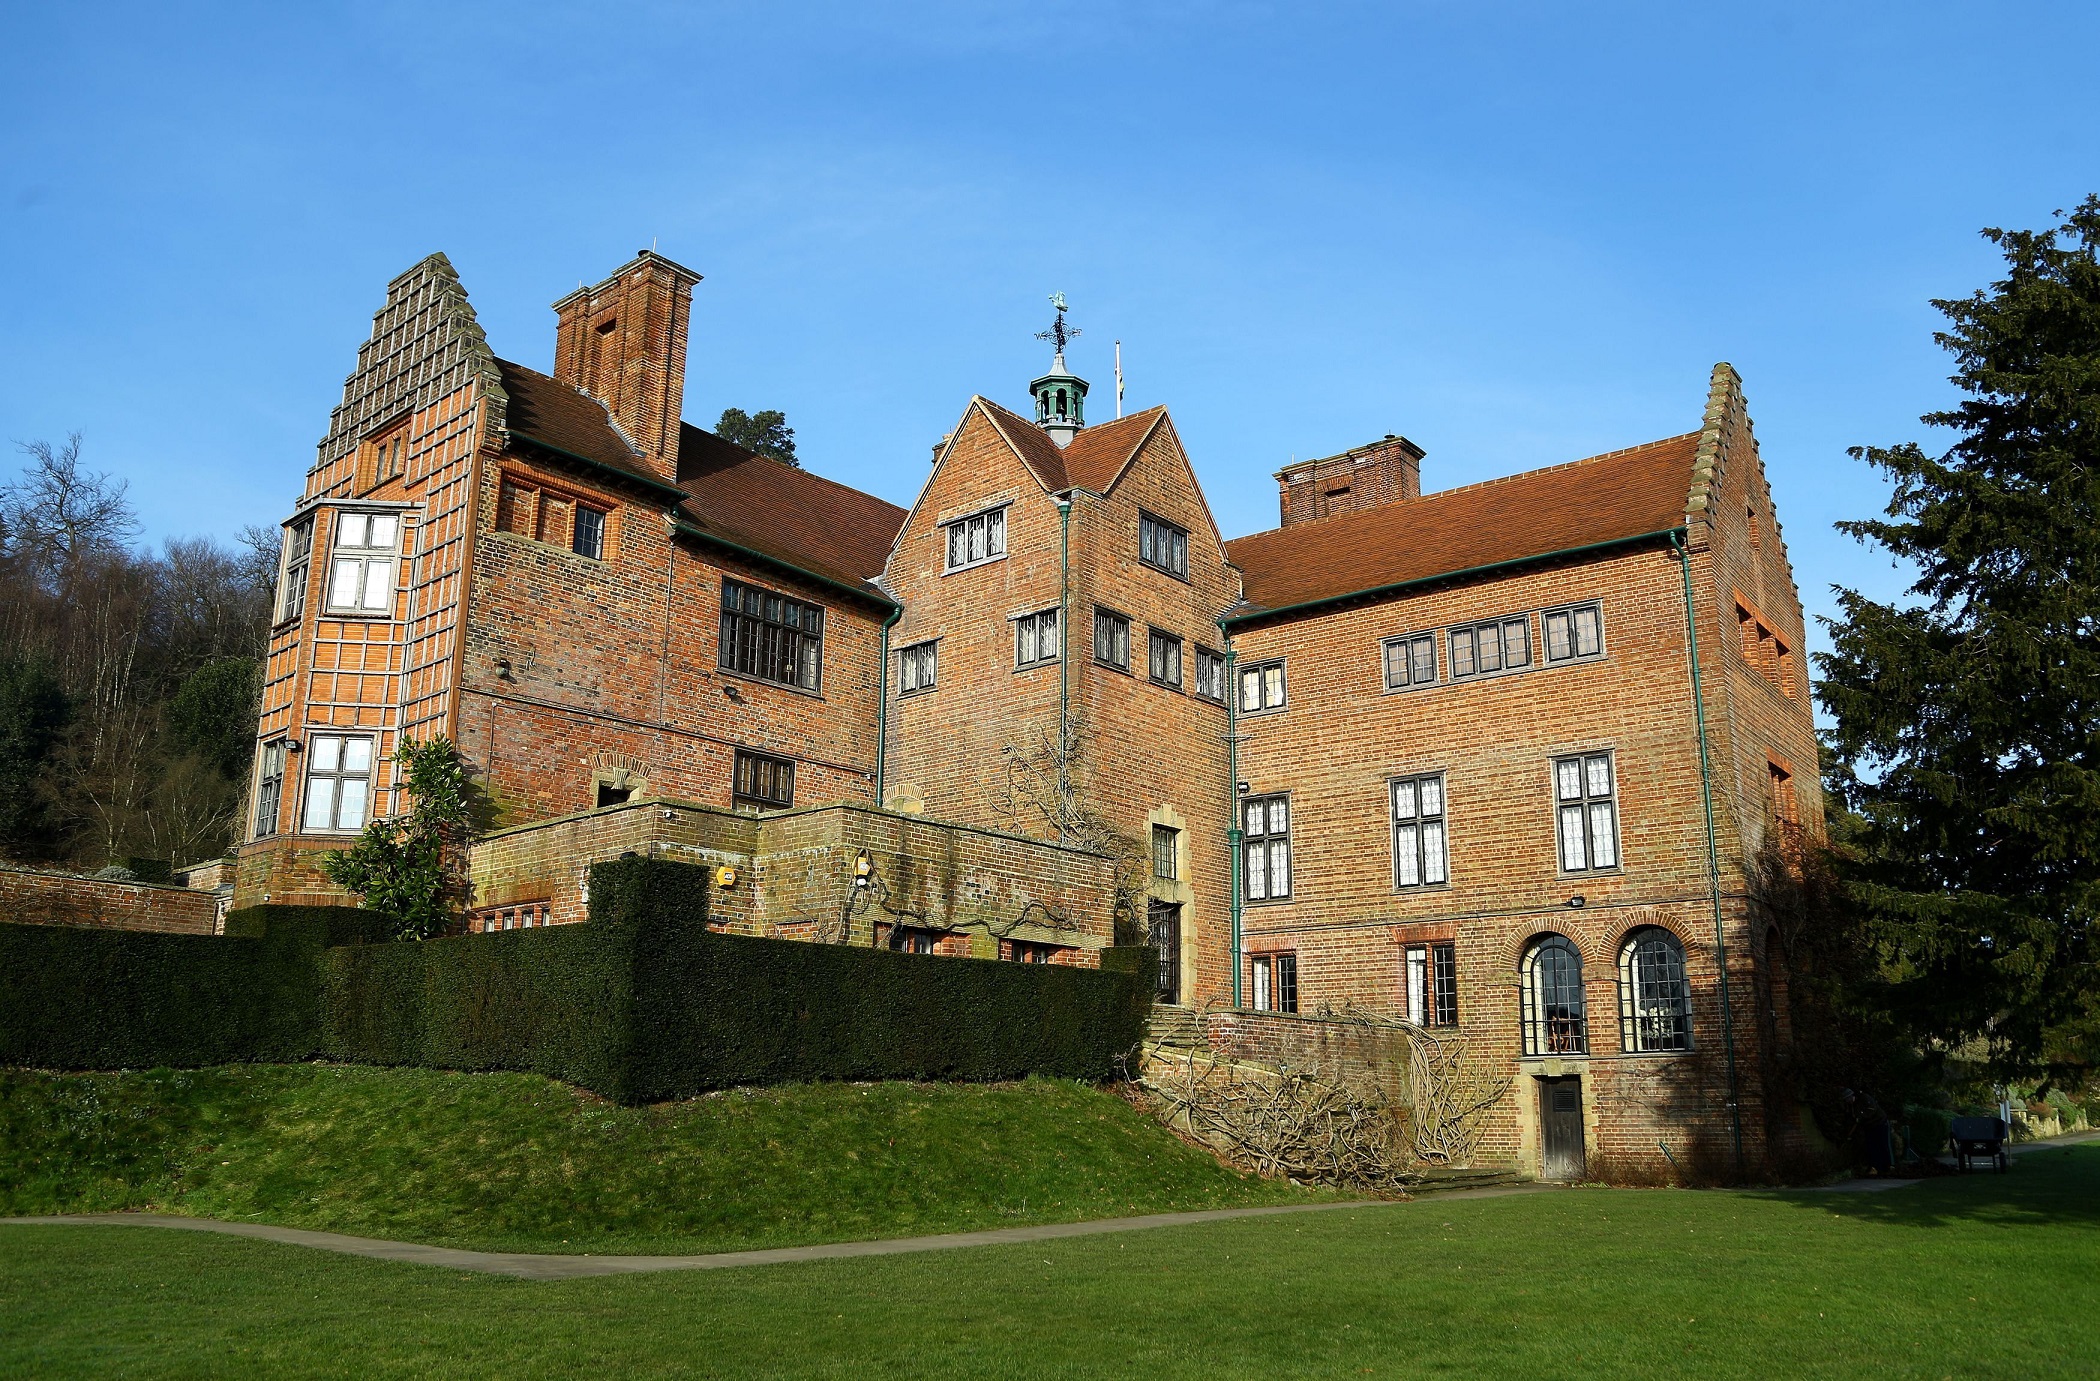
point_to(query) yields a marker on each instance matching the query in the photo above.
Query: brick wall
(41, 898)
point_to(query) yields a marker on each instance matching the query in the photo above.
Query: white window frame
(368, 564)
(975, 539)
(298, 569)
(1585, 813)
(1271, 846)
(339, 767)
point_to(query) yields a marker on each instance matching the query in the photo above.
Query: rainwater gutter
(1713, 851)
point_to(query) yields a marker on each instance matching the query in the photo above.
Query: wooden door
(1560, 1129)
(1164, 923)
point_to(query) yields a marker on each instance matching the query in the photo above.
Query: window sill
(1035, 666)
(1565, 876)
(1416, 889)
(368, 615)
(902, 694)
(1267, 901)
(535, 542)
(1165, 685)
(1171, 575)
(1111, 666)
(1263, 714)
(749, 679)
(973, 565)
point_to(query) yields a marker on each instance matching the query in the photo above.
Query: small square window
(1261, 687)
(915, 668)
(1036, 639)
(1163, 659)
(1574, 634)
(1410, 661)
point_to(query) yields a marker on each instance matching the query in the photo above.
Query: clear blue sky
(1519, 234)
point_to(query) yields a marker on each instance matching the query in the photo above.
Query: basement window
(1032, 952)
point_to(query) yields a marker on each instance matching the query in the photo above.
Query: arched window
(1555, 1020)
(1655, 1001)
(1061, 403)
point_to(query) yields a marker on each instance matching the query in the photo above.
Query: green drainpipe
(882, 703)
(1713, 851)
(1233, 834)
(1064, 622)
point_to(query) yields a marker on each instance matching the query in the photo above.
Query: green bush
(644, 1003)
(76, 998)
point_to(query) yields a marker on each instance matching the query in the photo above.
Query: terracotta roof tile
(568, 419)
(1096, 458)
(1606, 498)
(805, 520)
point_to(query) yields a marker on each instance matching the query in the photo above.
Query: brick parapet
(37, 897)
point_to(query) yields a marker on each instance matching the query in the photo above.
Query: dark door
(1560, 1129)
(1164, 927)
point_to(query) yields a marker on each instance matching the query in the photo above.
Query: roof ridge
(993, 412)
(796, 469)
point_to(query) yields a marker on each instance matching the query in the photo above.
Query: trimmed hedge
(76, 998)
(644, 1003)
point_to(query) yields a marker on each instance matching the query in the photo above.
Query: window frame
(924, 658)
(948, 529)
(740, 797)
(1421, 821)
(1643, 993)
(1206, 658)
(1119, 624)
(1037, 620)
(1153, 527)
(295, 569)
(269, 786)
(1587, 802)
(599, 528)
(1575, 653)
(337, 774)
(1169, 838)
(1471, 632)
(1162, 647)
(1429, 984)
(1411, 641)
(1273, 980)
(1267, 839)
(367, 558)
(1549, 1031)
(515, 487)
(1261, 669)
(726, 642)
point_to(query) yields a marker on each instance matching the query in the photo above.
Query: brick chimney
(623, 342)
(1383, 472)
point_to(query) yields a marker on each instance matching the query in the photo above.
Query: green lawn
(516, 1162)
(1980, 1276)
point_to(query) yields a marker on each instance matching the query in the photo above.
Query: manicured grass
(516, 1162)
(1984, 1275)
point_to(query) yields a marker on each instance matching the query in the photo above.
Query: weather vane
(1058, 334)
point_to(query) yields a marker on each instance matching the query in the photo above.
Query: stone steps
(1174, 1026)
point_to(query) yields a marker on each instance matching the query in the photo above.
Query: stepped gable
(1095, 459)
(805, 520)
(1606, 498)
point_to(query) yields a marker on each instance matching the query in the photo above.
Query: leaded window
(1166, 852)
(1419, 844)
(361, 567)
(1556, 1020)
(1655, 999)
(1112, 639)
(1163, 546)
(762, 782)
(1410, 661)
(978, 538)
(915, 668)
(1035, 638)
(1266, 852)
(298, 560)
(338, 782)
(1480, 649)
(1586, 803)
(1210, 674)
(1261, 687)
(1163, 659)
(1432, 984)
(1574, 633)
(771, 636)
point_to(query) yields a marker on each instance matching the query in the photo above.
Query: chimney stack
(622, 341)
(1383, 472)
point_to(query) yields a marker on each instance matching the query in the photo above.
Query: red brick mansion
(1499, 760)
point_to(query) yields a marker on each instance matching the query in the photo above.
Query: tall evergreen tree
(767, 433)
(1967, 719)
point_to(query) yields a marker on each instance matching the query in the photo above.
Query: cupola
(1060, 395)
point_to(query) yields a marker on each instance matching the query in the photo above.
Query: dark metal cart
(1980, 1138)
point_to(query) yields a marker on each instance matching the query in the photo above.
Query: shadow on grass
(2057, 1185)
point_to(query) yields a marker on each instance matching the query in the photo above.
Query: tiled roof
(551, 412)
(803, 520)
(1607, 498)
(807, 521)
(1096, 458)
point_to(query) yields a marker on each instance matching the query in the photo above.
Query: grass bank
(515, 1162)
(1968, 1276)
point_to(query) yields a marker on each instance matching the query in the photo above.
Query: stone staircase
(1176, 1027)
